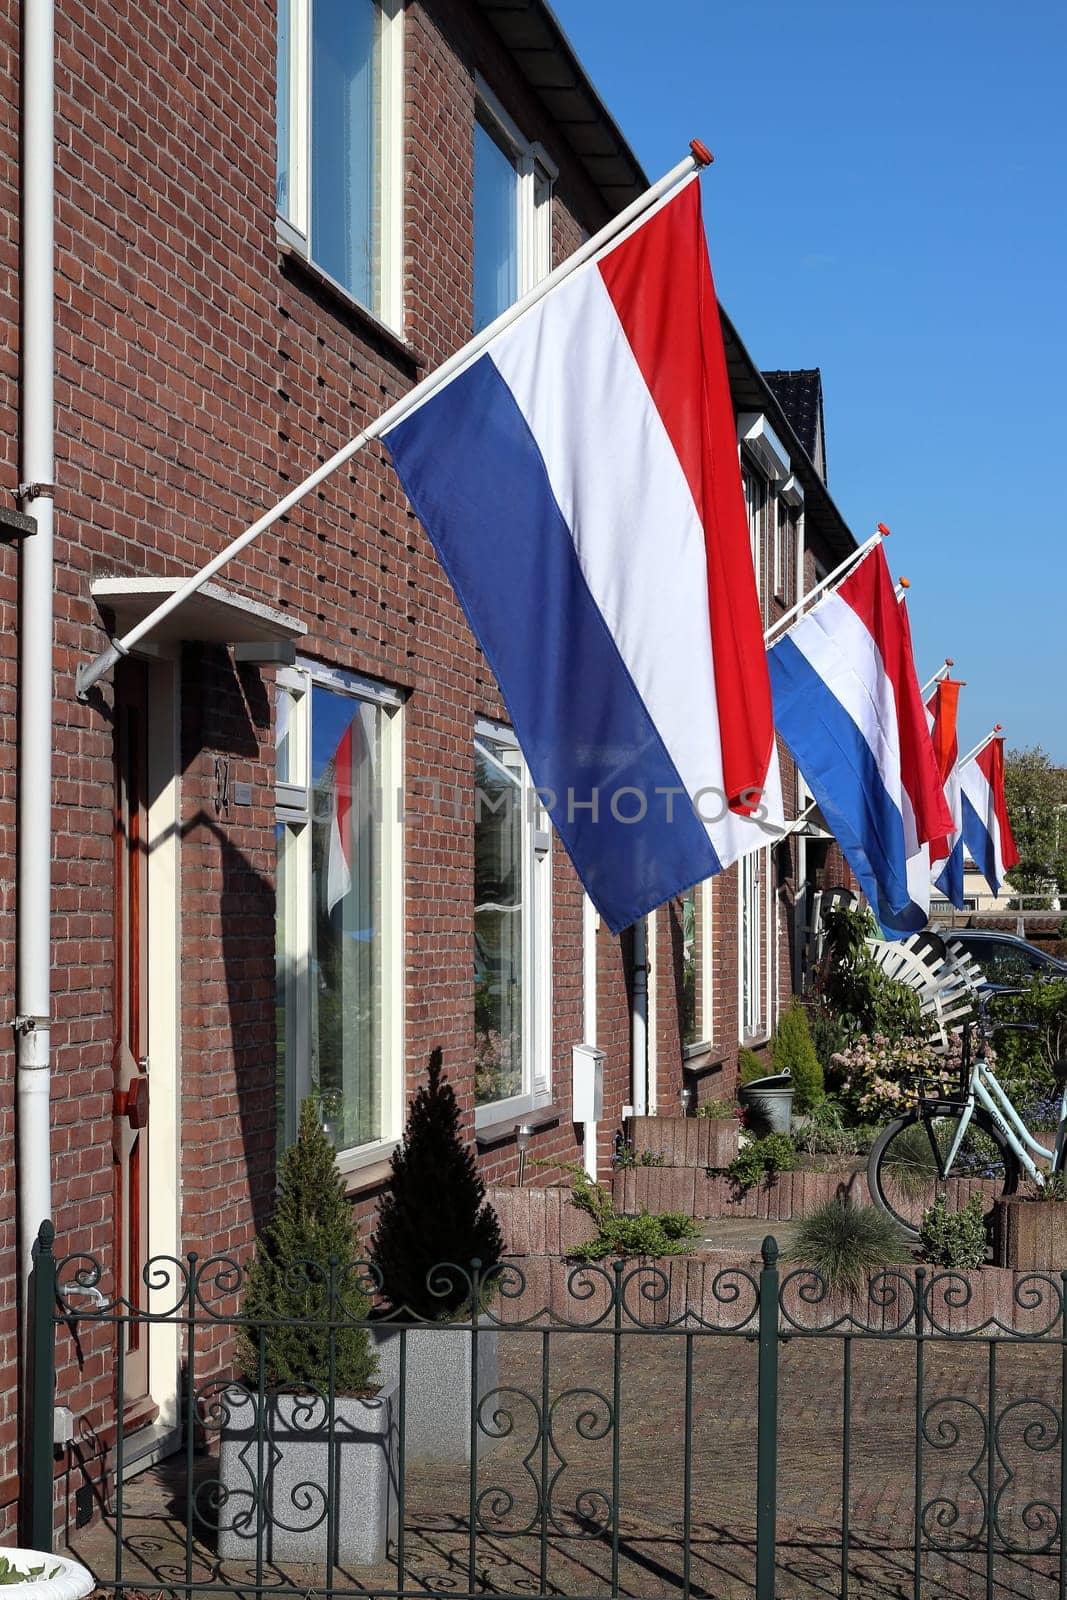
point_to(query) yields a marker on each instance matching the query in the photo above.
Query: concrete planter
(437, 1385)
(61, 1579)
(1030, 1235)
(298, 1484)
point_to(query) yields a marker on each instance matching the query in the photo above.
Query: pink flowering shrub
(882, 1077)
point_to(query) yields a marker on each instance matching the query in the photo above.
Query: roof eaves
(752, 392)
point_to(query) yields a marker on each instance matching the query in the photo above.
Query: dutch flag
(986, 829)
(848, 705)
(579, 480)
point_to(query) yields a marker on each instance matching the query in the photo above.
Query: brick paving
(575, 1555)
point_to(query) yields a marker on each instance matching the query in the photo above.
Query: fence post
(767, 1425)
(43, 1388)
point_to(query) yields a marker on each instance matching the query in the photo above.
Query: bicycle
(977, 1134)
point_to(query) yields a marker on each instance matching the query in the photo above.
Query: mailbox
(588, 1082)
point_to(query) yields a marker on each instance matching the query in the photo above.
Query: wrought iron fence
(590, 1430)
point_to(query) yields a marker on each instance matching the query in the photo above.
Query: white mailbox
(588, 1082)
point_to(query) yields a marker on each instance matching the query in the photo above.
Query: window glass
(690, 962)
(285, 67)
(345, 989)
(335, 863)
(498, 921)
(496, 224)
(344, 157)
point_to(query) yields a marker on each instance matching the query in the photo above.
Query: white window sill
(495, 1122)
(367, 1166)
(347, 301)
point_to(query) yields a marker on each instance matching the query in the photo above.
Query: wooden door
(130, 1054)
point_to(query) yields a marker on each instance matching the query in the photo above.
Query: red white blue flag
(580, 483)
(986, 828)
(847, 703)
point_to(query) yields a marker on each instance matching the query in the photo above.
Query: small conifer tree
(793, 1051)
(434, 1210)
(310, 1236)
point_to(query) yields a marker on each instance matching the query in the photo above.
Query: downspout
(639, 1021)
(34, 871)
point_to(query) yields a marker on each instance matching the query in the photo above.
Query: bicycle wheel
(906, 1169)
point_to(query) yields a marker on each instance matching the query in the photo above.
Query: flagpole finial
(949, 661)
(701, 153)
(998, 727)
(883, 530)
(905, 583)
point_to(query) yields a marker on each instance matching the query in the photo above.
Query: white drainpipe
(639, 1021)
(34, 876)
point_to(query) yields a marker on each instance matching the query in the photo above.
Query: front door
(130, 1053)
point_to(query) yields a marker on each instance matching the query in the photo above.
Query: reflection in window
(498, 921)
(331, 921)
(496, 228)
(344, 143)
(346, 923)
(690, 1018)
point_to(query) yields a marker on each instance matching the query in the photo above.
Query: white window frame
(537, 174)
(751, 479)
(295, 228)
(536, 951)
(293, 812)
(705, 996)
(750, 945)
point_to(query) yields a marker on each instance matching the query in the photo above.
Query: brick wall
(201, 372)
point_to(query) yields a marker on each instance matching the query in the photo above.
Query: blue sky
(888, 203)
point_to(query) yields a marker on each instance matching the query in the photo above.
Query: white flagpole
(839, 572)
(942, 672)
(980, 746)
(698, 158)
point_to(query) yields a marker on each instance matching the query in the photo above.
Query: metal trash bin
(769, 1102)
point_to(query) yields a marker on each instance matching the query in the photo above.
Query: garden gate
(679, 1426)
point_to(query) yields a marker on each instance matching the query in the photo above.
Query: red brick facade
(202, 371)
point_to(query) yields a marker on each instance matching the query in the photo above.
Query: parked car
(1005, 958)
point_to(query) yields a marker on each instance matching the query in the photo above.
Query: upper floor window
(512, 211)
(512, 944)
(338, 930)
(339, 141)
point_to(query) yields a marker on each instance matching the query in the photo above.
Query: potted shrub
(280, 1463)
(433, 1225)
(43, 1576)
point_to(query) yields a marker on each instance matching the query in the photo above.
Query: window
(755, 497)
(697, 1015)
(784, 550)
(338, 932)
(512, 212)
(512, 951)
(751, 933)
(339, 143)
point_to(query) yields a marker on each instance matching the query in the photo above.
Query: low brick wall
(1030, 1234)
(540, 1221)
(686, 1141)
(719, 1289)
(779, 1199)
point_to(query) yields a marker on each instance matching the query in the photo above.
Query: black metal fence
(594, 1430)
